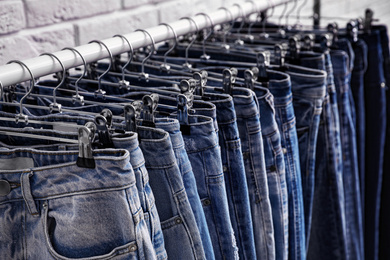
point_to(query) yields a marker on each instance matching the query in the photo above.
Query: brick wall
(31, 27)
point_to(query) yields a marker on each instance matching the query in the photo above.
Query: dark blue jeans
(280, 87)
(375, 104)
(276, 174)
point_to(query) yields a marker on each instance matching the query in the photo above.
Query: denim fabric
(357, 87)
(328, 229)
(56, 209)
(342, 73)
(375, 104)
(384, 238)
(126, 141)
(234, 171)
(181, 234)
(172, 126)
(205, 156)
(275, 167)
(248, 122)
(308, 89)
(280, 87)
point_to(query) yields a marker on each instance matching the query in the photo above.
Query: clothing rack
(45, 65)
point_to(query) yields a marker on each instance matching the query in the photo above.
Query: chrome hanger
(124, 82)
(100, 91)
(224, 45)
(204, 55)
(165, 66)
(291, 10)
(187, 65)
(78, 98)
(32, 84)
(143, 74)
(55, 106)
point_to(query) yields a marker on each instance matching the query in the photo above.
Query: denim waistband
(245, 103)
(206, 109)
(280, 87)
(172, 126)
(306, 82)
(55, 174)
(312, 60)
(225, 107)
(156, 144)
(360, 49)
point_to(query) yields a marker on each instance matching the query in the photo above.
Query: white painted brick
(174, 10)
(135, 3)
(11, 16)
(105, 26)
(31, 43)
(44, 12)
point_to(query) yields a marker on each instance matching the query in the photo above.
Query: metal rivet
(383, 85)
(133, 248)
(225, 169)
(5, 188)
(206, 202)
(284, 150)
(178, 221)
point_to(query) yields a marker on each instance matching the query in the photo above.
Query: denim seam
(202, 150)
(165, 166)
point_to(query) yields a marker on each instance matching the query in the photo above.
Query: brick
(29, 44)
(105, 26)
(12, 17)
(45, 12)
(135, 3)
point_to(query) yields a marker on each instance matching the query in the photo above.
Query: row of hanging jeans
(231, 144)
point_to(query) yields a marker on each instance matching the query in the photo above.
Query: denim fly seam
(353, 210)
(280, 87)
(234, 171)
(276, 175)
(181, 234)
(248, 121)
(308, 89)
(328, 214)
(205, 157)
(172, 126)
(64, 221)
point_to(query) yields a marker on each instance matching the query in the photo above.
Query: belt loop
(26, 192)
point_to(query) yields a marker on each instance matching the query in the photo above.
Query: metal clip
(308, 42)
(55, 107)
(293, 44)
(107, 113)
(325, 41)
(263, 62)
(333, 28)
(85, 158)
(150, 103)
(21, 116)
(100, 93)
(125, 84)
(229, 77)
(279, 54)
(103, 132)
(201, 81)
(78, 99)
(250, 76)
(182, 109)
(130, 118)
(353, 30)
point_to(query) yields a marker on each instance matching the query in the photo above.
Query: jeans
(234, 171)
(172, 126)
(248, 122)
(181, 234)
(280, 87)
(342, 73)
(205, 157)
(375, 104)
(308, 89)
(276, 175)
(94, 213)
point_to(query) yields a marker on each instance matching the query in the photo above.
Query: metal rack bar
(44, 65)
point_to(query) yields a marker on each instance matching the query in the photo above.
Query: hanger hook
(257, 16)
(77, 97)
(205, 56)
(130, 54)
(227, 31)
(186, 64)
(282, 15)
(241, 15)
(32, 84)
(299, 11)
(151, 52)
(292, 9)
(165, 66)
(100, 91)
(55, 105)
